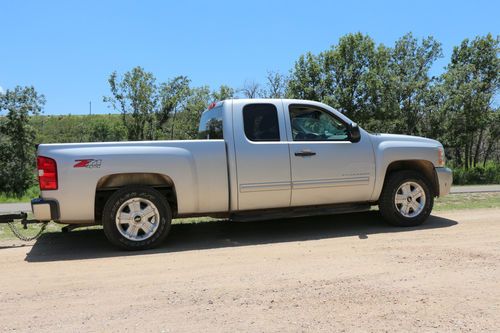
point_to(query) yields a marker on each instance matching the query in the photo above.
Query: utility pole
(90, 107)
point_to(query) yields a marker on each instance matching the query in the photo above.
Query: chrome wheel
(137, 219)
(410, 199)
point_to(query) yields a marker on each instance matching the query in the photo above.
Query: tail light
(47, 173)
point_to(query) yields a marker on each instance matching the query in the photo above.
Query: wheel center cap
(137, 218)
(408, 199)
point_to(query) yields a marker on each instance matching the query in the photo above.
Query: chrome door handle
(304, 153)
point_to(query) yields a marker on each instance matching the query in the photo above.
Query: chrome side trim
(272, 186)
(304, 184)
(335, 182)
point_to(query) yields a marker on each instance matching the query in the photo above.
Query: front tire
(136, 218)
(406, 199)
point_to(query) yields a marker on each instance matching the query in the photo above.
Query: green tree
(276, 84)
(224, 92)
(187, 120)
(492, 141)
(306, 79)
(17, 138)
(136, 96)
(351, 76)
(470, 84)
(251, 89)
(173, 97)
(347, 68)
(409, 66)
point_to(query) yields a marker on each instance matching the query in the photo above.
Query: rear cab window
(211, 124)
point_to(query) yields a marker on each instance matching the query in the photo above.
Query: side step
(291, 212)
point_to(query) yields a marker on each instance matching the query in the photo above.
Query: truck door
(262, 155)
(326, 166)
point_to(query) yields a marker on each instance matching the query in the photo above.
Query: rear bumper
(45, 209)
(445, 178)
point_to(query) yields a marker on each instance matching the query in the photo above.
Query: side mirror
(354, 133)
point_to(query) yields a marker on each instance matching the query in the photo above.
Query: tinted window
(313, 124)
(211, 124)
(261, 122)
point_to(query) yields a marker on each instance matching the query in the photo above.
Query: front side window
(211, 124)
(261, 122)
(313, 124)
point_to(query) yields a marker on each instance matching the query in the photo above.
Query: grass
(450, 202)
(32, 192)
(467, 201)
(6, 233)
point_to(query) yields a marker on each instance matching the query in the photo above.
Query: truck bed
(197, 169)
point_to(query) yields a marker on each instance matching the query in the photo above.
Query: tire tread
(386, 200)
(115, 201)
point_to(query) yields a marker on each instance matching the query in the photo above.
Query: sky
(67, 49)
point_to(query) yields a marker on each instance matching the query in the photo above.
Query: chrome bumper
(445, 178)
(45, 210)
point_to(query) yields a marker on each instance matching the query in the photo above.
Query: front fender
(393, 151)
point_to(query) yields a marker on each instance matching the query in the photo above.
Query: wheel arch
(424, 167)
(109, 184)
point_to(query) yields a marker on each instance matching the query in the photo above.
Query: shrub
(489, 174)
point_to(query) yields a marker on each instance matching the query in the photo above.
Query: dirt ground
(337, 273)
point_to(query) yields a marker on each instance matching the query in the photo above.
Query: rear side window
(261, 122)
(211, 124)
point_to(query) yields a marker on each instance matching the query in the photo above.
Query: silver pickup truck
(254, 159)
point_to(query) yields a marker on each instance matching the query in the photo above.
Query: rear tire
(406, 199)
(136, 218)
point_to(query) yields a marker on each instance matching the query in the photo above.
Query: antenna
(90, 107)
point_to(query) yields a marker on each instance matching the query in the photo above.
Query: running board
(291, 212)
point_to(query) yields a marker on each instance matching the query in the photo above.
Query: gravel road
(346, 272)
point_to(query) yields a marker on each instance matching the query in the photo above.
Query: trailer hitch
(23, 216)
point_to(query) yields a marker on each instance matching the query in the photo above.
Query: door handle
(304, 153)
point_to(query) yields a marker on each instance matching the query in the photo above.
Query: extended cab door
(262, 155)
(326, 166)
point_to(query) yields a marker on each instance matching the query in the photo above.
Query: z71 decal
(88, 163)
